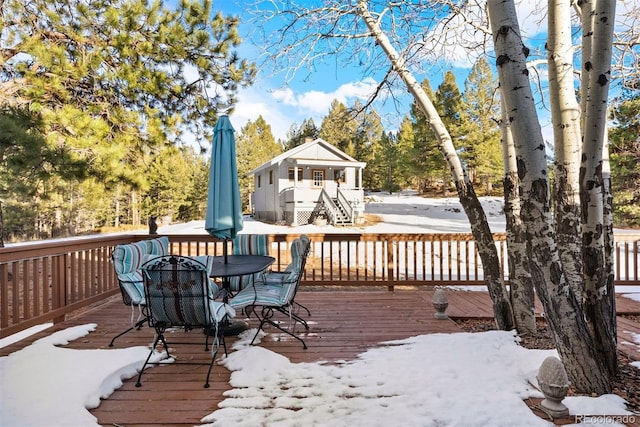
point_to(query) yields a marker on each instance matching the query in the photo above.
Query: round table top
(238, 265)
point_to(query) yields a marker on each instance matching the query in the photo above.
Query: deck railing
(42, 282)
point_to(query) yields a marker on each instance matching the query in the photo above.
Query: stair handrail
(329, 204)
(346, 205)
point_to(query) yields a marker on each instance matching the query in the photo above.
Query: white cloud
(285, 96)
(253, 103)
(283, 107)
(318, 102)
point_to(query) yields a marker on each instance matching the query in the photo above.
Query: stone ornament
(554, 384)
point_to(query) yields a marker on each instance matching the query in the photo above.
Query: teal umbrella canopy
(224, 209)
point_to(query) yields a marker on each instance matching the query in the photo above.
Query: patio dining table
(229, 266)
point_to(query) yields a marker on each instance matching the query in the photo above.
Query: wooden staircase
(341, 215)
(335, 209)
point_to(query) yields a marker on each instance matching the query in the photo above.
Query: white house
(313, 181)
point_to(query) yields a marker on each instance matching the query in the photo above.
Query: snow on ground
(461, 379)
(403, 212)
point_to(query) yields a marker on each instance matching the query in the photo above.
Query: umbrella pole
(224, 250)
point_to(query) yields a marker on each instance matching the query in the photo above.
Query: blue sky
(310, 94)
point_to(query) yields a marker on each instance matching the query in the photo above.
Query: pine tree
(450, 107)
(169, 176)
(625, 158)
(339, 128)
(370, 129)
(255, 145)
(405, 140)
(427, 164)
(110, 86)
(482, 144)
(298, 135)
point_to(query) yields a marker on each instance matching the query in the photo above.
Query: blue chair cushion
(132, 285)
(248, 244)
(129, 258)
(208, 262)
(256, 295)
(251, 244)
(158, 246)
(219, 310)
(273, 292)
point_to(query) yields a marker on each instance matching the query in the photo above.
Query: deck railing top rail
(43, 281)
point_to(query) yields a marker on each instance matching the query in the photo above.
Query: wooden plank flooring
(343, 324)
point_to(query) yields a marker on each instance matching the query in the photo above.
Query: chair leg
(267, 313)
(302, 306)
(213, 359)
(137, 327)
(224, 342)
(146, 362)
(159, 337)
(287, 311)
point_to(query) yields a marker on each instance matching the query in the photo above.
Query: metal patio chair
(276, 293)
(178, 293)
(274, 277)
(127, 260)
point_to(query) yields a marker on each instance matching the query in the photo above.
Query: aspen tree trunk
(116, 220)
(480, 227)
(520, 283)
(609, 306)
(599, 290)
(567, 135)
(563, 312)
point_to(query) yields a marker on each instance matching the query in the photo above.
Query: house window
(339, 175)
(292, 173)
(259, 181)
(270, 177)
(318, 177)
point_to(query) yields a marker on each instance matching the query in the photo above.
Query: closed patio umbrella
(224, 209)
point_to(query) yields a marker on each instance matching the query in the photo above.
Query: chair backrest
(248, 244)
(177, 292)
(128, 259)
(251, 244)
(158, 246)
(296, 269)
(306, 248)
(302, 252)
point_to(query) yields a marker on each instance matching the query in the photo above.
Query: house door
(317, 177)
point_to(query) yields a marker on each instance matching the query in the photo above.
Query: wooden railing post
(4, 295)
(59, 284)
(390, 249)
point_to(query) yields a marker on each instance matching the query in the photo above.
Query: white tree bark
(599, 18)
(565, 116)
(570, 331)
(477, 218)
(520, 283)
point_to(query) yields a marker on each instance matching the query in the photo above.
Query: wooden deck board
(343, 324)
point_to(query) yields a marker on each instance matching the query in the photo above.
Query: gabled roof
(303, 155)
